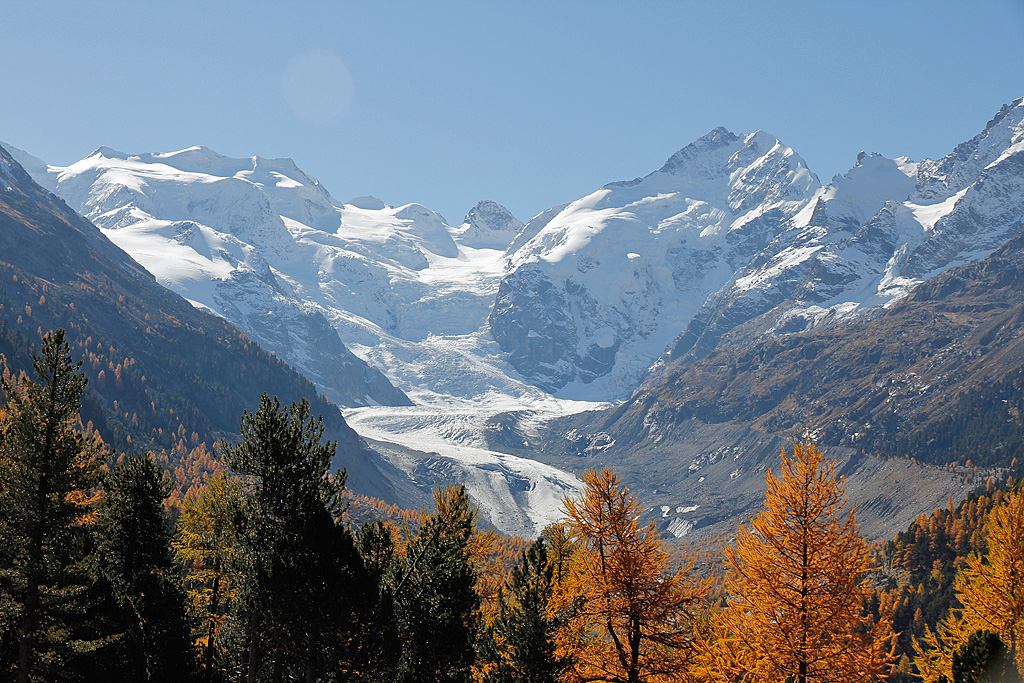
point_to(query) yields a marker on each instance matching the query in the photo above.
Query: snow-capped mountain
(870, 236)
(604, 284)
(212, 229)
(733, 238)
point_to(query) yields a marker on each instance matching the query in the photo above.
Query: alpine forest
(114, 571)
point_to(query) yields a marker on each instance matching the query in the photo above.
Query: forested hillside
(163, 374)
(262, 579)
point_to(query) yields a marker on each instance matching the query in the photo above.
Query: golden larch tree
(206, 545)
(633, 616)
(798, 582)
(991, 588)
(934, 651)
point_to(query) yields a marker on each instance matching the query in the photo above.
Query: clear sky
(530, 104)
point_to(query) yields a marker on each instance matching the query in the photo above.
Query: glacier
(425, 330)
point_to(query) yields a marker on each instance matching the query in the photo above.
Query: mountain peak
(488, 225)
(108, 153)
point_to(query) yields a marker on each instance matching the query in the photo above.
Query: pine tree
(378, 646)
(301, 582)
(521, 640)
(435, 600)
(799, 581)
(634, 618)
(48, 474)
(138, 592)
(205, 547)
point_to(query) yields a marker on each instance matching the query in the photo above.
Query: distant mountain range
(726, 296)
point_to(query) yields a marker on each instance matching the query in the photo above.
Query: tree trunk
(253, 653)
(28, 625)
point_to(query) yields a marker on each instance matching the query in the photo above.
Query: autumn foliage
(990, 592)
(798, 583)
(633, 619)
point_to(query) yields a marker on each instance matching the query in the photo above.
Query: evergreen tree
(799, 581)
(521, 641)
(48, 474)
(301, 582)
(378, 646)
(145, 602)
(435, 601)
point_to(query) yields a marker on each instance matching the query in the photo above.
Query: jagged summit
(488, 225)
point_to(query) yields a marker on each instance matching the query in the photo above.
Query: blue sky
(530, 104)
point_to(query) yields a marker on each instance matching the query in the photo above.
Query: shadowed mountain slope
(160, 370)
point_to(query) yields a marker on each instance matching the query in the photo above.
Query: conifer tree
(560, 549)
(799, 580)
(521, 641)
(139, 596)
(48, 474)
(435, 599)
(635, 616)
(378, 648)
(301, 581)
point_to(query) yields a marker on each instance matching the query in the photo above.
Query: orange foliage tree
(798, 582)
(632, 616)
(206, 545)
(990, 589)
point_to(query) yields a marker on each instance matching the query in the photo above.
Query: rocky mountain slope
(160, 370)
(734, 237)
(937, 376)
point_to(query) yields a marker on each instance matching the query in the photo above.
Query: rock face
(214, 230)
(933, 377)
(598, 288)
(733, 240)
